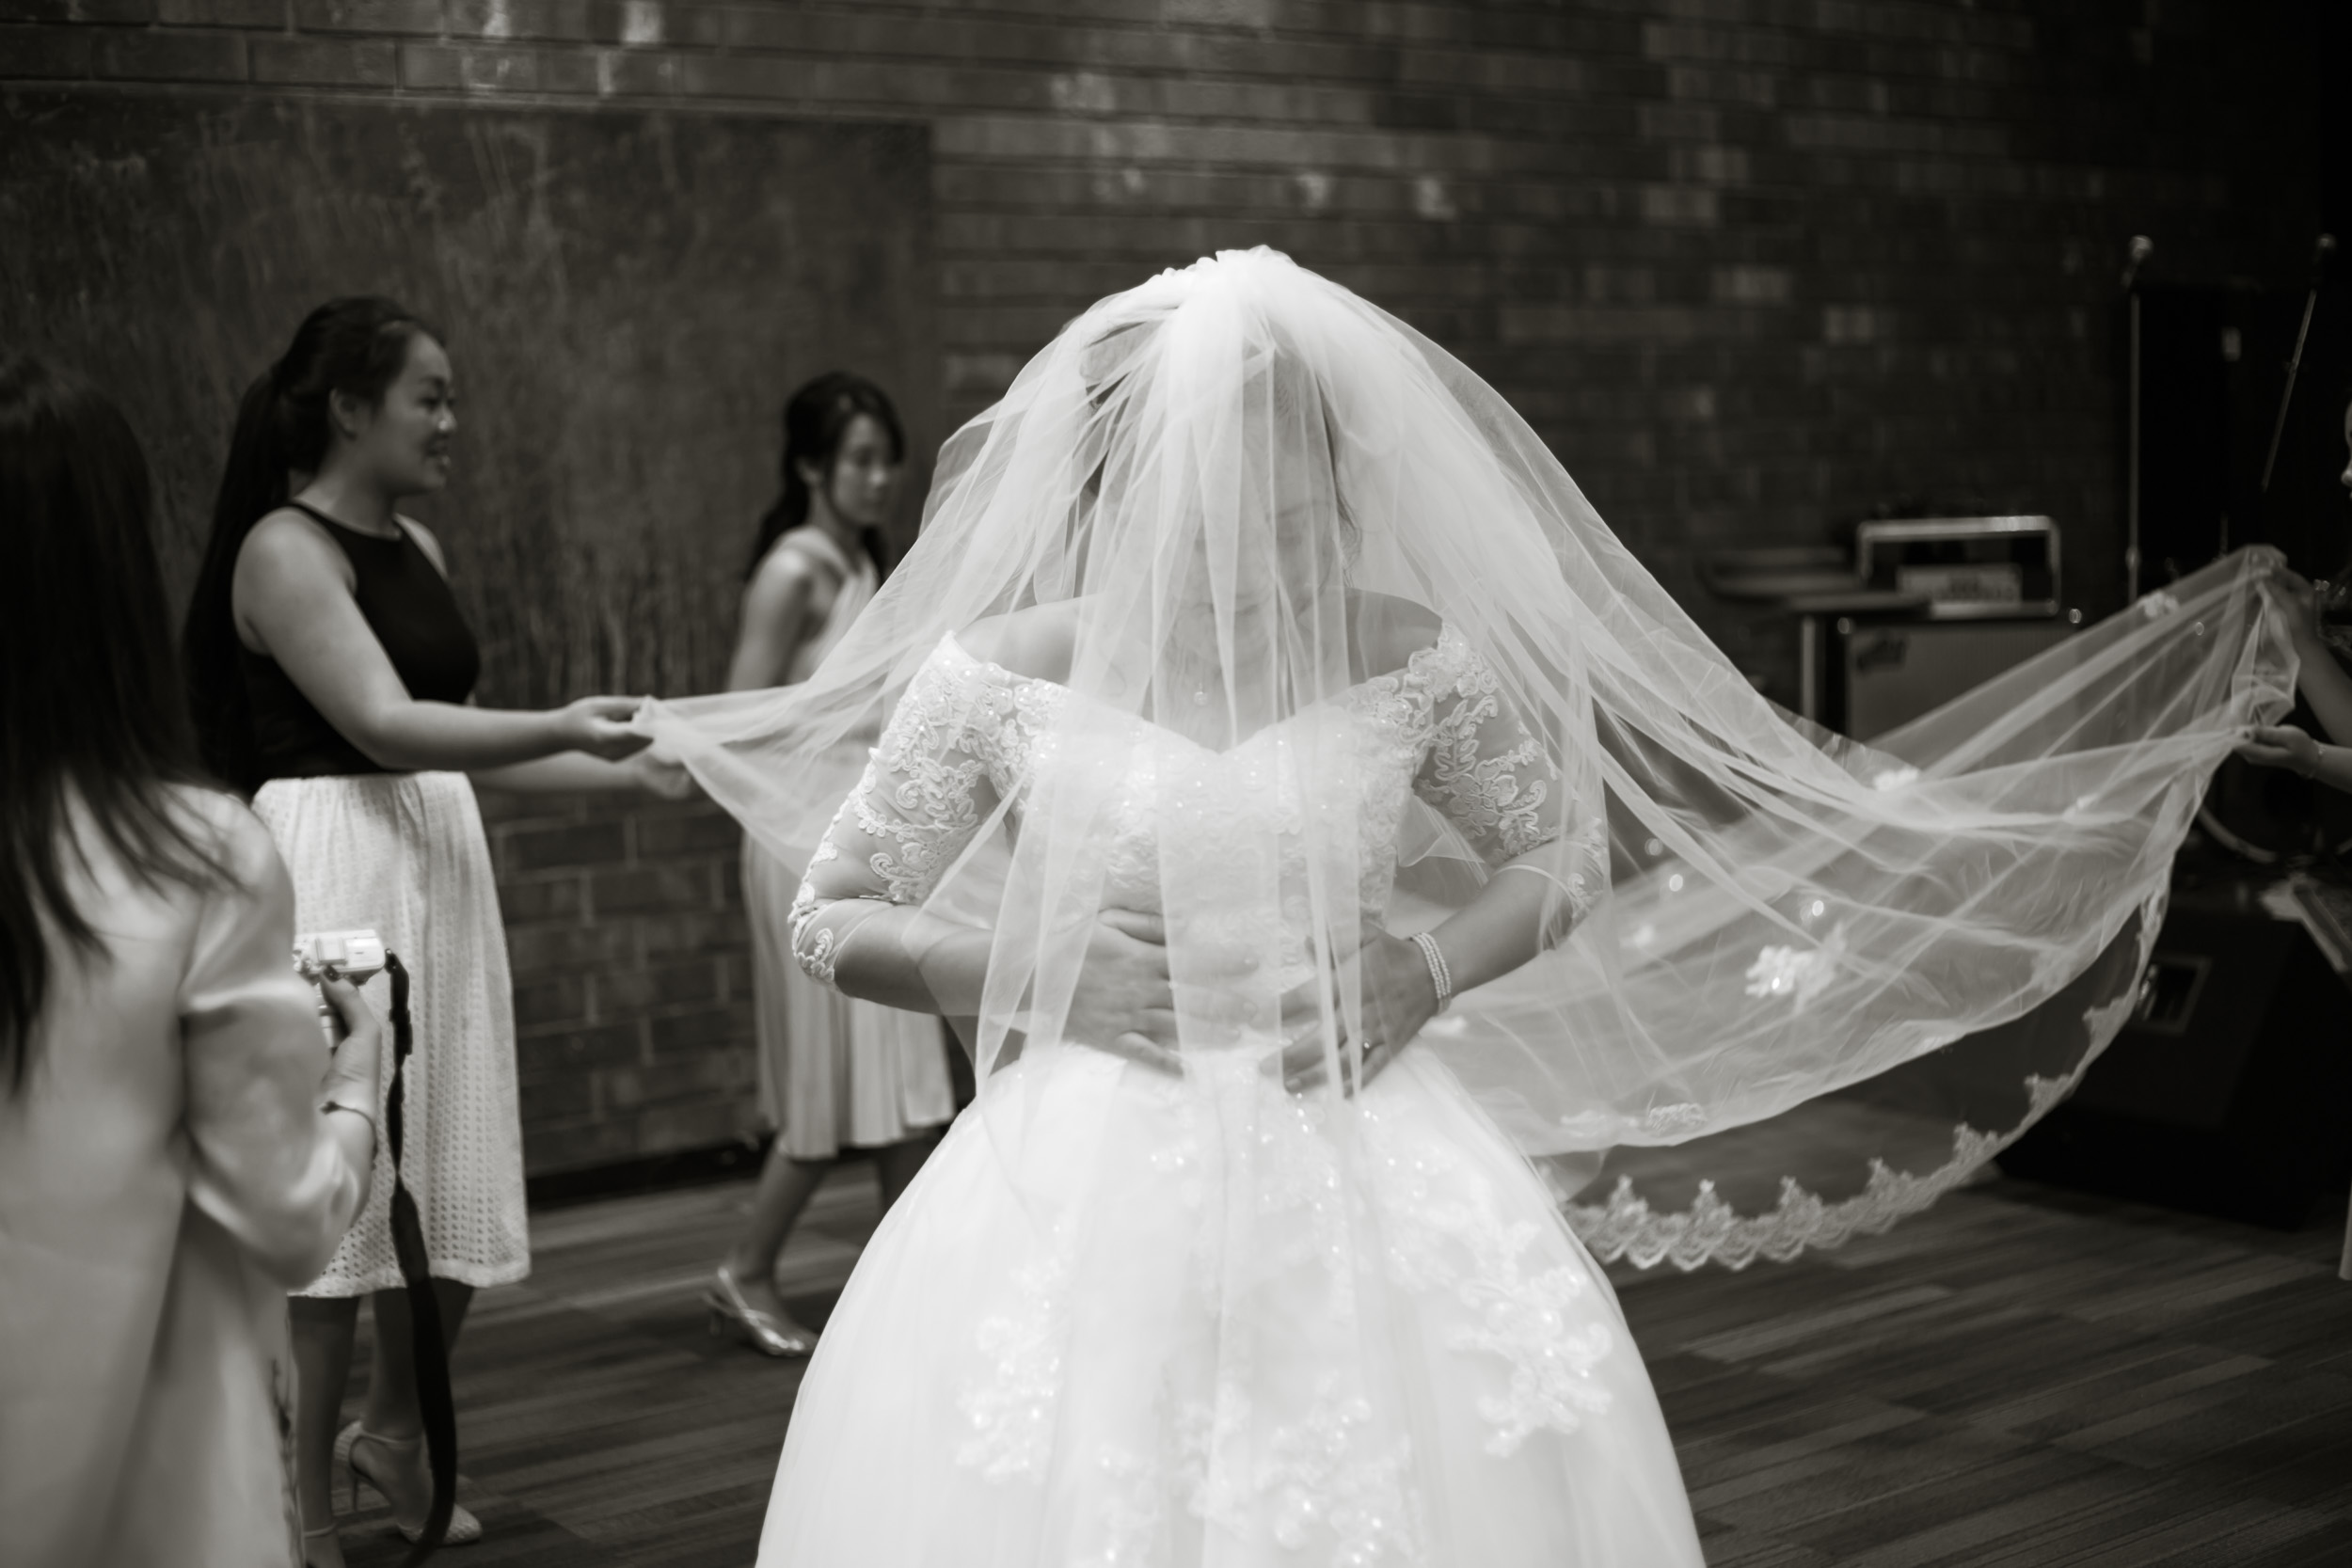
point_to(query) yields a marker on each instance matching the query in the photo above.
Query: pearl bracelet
(1438, 970)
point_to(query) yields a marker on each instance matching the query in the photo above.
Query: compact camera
(353, 956)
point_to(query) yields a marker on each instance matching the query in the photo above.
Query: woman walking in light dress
(833, 1070)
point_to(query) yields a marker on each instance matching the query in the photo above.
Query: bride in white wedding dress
(1191, 1314)
(1311, 812)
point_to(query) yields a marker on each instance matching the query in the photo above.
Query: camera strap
(429, 1345)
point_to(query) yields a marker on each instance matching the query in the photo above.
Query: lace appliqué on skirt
(1524, 1312)
(1012, 1409)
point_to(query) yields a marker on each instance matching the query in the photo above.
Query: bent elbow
(289, 1234)
(299, 1249)
(294, 1263)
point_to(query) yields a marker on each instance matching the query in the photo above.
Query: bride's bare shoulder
(1034, 641)
(1389, 631)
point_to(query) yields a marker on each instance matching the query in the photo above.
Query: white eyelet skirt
(403, 854)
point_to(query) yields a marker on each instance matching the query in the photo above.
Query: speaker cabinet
(2228, 1092)
(1883, 674)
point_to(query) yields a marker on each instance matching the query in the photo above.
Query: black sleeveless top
(409, 606)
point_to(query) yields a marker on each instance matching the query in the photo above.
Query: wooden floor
(2024, 1377)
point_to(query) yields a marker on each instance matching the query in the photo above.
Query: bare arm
(2328, 690)
(577, 772)
(2322, 680)
(292, 593)
(2289, 747)
(1514, 918)
(784, 599)
(572, 772)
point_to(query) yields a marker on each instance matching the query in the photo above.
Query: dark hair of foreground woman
(91, 708)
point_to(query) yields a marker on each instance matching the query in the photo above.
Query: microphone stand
(2320, 252)
(2142, 246)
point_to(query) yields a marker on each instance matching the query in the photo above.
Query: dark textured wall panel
(628, 298)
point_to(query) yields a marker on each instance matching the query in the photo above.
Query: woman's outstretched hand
(2282, 746)
(600, 727)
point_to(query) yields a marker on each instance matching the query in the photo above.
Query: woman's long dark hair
(90, 692)
(815, 421)
(357, 345)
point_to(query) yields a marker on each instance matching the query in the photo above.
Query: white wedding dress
(1124, 1318)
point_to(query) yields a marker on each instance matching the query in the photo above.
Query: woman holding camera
(178, 1148)
(331, 671)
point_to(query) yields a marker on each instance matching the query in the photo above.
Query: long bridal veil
(1237, 503)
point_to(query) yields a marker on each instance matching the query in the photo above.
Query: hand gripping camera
(353, 956)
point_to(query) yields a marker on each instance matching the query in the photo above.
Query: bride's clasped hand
(1126, 1002)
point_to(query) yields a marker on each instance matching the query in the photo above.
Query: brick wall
(1752, 266)
(632, 980)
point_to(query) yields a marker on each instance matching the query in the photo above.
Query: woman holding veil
(1314, 813)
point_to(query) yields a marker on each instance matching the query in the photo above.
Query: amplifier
(1967, 567)
(1885, 673)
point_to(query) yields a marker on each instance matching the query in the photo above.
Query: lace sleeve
(1490, 775)
(934, 778)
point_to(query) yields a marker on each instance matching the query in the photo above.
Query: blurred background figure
(833, 1070)
(2321, 682)
(178, 1148)
(331, 671)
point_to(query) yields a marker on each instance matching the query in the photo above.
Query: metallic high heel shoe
(464, 1528)
(730, 1314)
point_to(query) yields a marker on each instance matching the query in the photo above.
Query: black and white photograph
(1175, 783)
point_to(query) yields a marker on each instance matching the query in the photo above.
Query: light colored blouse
(165, 1177)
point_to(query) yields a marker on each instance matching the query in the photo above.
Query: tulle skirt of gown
(1121, 1320)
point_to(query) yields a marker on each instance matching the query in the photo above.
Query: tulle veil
(1794, 986)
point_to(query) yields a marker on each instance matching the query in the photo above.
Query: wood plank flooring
(2023, 1378)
